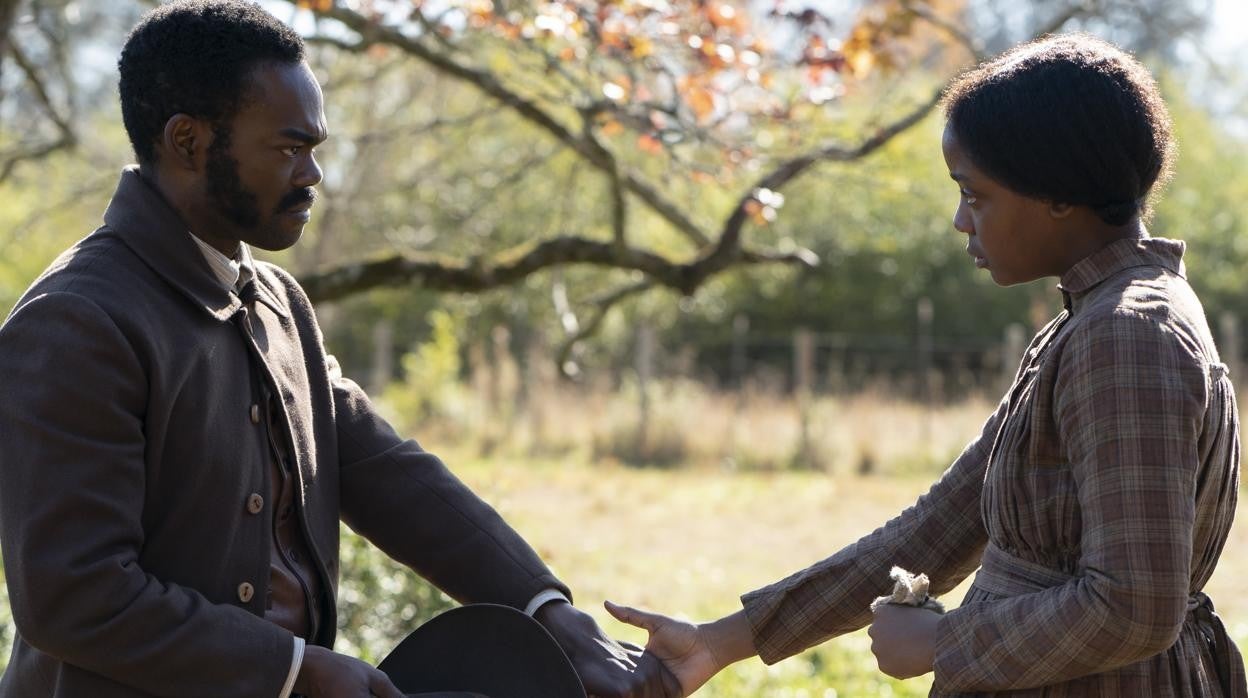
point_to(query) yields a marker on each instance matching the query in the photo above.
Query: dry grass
(689, 542)
(689, 425)
(742, 510)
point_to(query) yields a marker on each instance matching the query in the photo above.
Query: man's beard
(225, 188)
(239, 205)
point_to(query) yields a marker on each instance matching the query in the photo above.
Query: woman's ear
(1059, 210)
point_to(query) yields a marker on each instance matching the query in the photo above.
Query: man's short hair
(195, 57)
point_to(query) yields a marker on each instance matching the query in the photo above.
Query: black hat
(486, 649)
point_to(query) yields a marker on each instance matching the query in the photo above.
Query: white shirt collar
(233, 273)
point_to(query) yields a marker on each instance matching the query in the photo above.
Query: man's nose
(309, 173)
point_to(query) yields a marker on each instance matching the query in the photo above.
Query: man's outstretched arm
(407, 501)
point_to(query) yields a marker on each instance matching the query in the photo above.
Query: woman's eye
(970, 198)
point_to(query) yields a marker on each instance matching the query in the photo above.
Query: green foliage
(51, 203)
(379, 600)
(1206, 204)
(431, 373)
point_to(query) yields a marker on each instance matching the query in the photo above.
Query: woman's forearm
(730, 639)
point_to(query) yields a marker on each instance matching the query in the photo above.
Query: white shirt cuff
(296, 661)
(543, 598)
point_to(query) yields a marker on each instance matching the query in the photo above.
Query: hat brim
(489, 649)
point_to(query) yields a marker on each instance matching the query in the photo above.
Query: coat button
(255, 414)
(255, 503)
(245, 592)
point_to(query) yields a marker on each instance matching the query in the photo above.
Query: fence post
(924, 314)
(803, 384)
(538, 381)
(645, 371)
(740, 335)
(506, 379)
(383, 356)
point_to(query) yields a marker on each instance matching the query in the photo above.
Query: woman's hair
(1070, 119)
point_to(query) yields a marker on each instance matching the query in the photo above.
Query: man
(177, 447)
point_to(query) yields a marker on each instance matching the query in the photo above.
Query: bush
(430, 386)
(379, 600)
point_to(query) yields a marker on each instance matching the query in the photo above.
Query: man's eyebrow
(301, 135)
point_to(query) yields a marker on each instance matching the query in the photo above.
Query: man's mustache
(295, 198)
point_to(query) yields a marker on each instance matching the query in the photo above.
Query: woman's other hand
(903, 640)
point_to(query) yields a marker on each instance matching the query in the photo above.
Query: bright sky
(1226, 46)
(1230, 28)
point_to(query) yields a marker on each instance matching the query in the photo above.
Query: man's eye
(970, 198)
(291, 150)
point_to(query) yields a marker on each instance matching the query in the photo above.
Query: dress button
(255, 503)
(255, 414)
(245, 592)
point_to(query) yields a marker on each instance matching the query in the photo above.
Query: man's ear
(1058, 210)
(185, 141)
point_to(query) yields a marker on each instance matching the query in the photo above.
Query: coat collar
(1118, 256)
(150, 227)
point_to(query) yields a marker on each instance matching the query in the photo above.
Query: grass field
(689, 542)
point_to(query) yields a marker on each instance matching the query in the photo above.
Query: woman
(1099, 495)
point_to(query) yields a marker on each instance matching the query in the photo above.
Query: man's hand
(903, 640)
(327, 674)
(607, 668)
(693, 653)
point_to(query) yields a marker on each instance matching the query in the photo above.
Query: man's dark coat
(129, 456)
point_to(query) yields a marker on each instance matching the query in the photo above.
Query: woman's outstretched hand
(693, 653)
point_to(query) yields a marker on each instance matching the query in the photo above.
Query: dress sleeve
(942, 535)
(73, 394)
(1130, 395)
(409, 504)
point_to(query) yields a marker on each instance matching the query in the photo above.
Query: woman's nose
(962, 220)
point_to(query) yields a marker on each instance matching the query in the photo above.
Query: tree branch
(66, 139)
(602, 305)
(8, 13)
(730, 237)
(372, 33)
(1070, 12)
(975, 48)
(729, 244)
(619, 203)
(512, 266)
